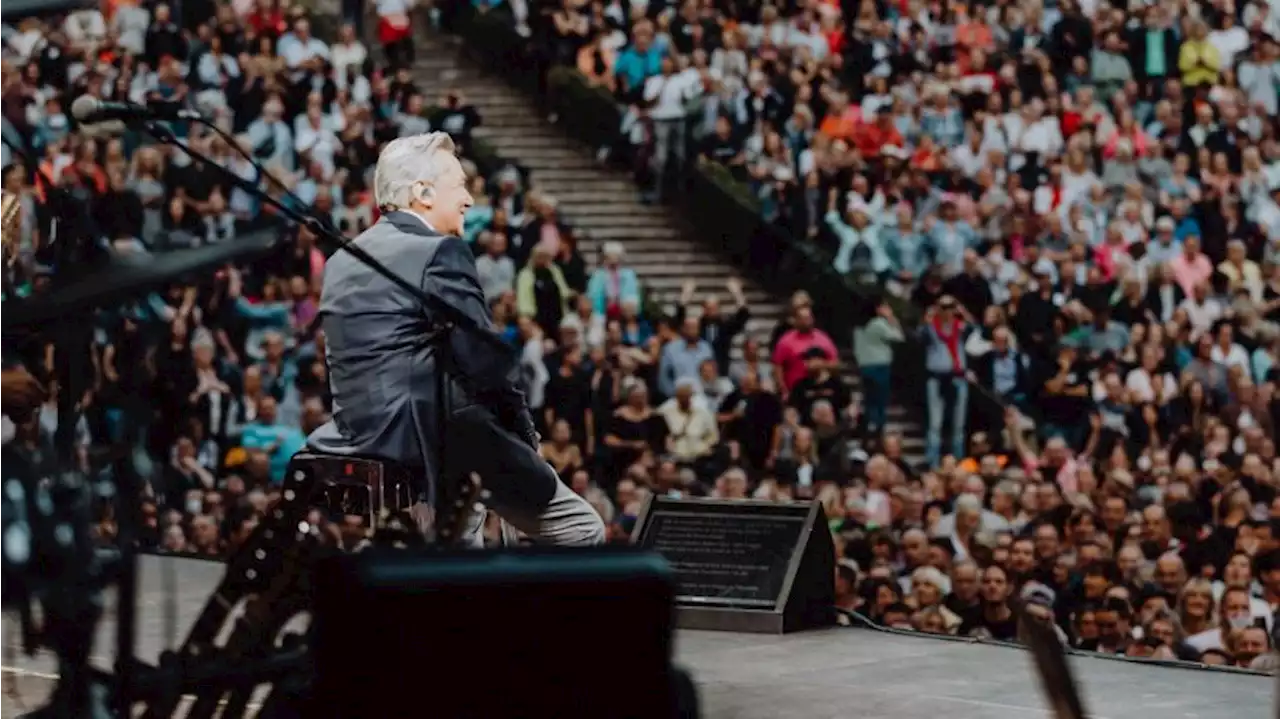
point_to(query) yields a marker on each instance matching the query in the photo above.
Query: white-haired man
(385, 352)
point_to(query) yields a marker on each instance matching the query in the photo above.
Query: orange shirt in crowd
(972, 34)
(927, 159)
(842, 125)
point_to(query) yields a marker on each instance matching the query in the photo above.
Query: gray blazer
(385, 353)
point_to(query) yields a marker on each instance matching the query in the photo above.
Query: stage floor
(845, 673)
(864, 674)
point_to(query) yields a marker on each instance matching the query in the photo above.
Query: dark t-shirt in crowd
(761, 412)
(1061, 409)
(809, 390)
(458, 121)
(721, 149)
(197, 180)
(546, 297)
(569, 398)
(1004, 630)
(969, 614)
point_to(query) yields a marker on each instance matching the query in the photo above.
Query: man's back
(382, 369)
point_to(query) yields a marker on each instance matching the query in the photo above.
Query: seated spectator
(541, 290)
(692, 433)
(496, 270)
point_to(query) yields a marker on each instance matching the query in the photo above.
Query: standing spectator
(714, 327)
(682, 357)
(946, 328)
(873, 348)
(395, 31)
(611, 285)
(793, 344)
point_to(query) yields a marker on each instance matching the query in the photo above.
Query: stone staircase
(604, 202)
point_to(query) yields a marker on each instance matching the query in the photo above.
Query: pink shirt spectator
(1191, 272)
(317, 266)
(1137, 138)
(789, 353)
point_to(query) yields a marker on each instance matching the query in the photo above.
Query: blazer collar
(410, 223)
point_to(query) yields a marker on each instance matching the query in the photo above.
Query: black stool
(348, 484)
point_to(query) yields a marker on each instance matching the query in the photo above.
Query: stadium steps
(605, 204)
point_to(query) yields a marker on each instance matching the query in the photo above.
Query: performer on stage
(384, 352)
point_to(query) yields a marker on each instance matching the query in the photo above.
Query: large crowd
(1070, 207)
(1073, 206)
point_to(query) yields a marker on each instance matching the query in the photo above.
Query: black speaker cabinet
(743, 565)
(535, 633)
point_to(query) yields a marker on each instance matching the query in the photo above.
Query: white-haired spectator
(973, 487)
(269, 136)
(692, 431)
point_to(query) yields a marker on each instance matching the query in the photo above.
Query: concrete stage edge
(846, 673)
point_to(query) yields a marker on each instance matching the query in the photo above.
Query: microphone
(89, 110)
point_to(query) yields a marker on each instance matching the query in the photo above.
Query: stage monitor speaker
(743, 565)
(530, 633)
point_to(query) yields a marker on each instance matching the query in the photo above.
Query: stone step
(575, 179)
(695, 263)
(673, 283)
(620, 221)
(530, 133)
(538, 154)
(580, 175)
(651, 269)
(619, 213)
(586, 195)
(635, 238)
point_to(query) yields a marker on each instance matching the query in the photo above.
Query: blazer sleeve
(490, 366)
